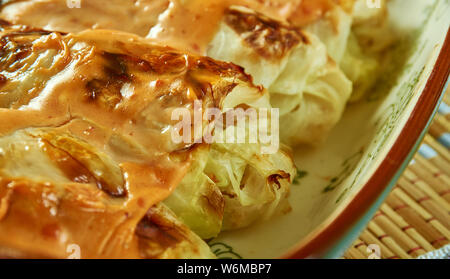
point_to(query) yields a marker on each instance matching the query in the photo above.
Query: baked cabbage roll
(61, 196)
(230, 186)
(329, 20)
(304, 82)
(87, 155)
(367, 53)
(355, 32)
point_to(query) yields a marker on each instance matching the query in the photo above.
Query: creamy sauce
(187, 25)
(134, 16)
(90, 211)
(149, 176)
(147, 181)
(192, 25)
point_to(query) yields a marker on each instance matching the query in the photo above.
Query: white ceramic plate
(349, 175)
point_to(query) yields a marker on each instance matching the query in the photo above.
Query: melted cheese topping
(98, 106)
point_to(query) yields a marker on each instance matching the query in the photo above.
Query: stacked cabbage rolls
(87, 156)
(304, 82)
(302, 75)
(312, 55)
(356, 33)
(306, 58)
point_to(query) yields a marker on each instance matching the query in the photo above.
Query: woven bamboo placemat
(414, 221)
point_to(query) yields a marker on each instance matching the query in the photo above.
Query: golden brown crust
(81, 165)
(214, 201)
(157, 234)
(121, 65)
(187, 25)
(94, 107)
(269, 38)
(275, 178)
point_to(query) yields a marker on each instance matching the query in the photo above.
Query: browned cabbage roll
(302, 76)
(87, 157)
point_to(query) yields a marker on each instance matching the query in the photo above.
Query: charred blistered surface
(157, 233)
(270, 38)
(276, 178)
(21, 49)
(84, 144)
(19, 54)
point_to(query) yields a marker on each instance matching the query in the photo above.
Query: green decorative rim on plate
(339, 249)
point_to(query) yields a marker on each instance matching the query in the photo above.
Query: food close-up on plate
(194, 129)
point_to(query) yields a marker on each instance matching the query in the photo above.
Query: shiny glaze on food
(188, 25)
(95, 110)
